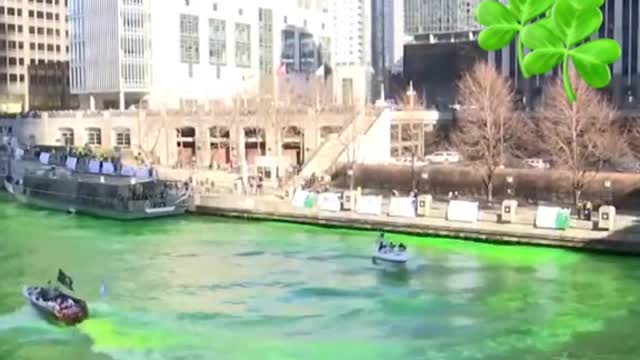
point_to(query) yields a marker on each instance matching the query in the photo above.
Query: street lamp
(608, 194)
(351, 178)
(510, 188)
(425, 181)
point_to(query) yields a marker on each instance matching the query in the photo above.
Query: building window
(217, 42)
(189, 44)
(243, 45)
(94, 137)
(66, 136)
(123, 138)
(265, 41)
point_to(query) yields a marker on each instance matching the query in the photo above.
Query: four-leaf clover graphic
(552, 39)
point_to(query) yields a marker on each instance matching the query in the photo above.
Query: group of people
(383, 246)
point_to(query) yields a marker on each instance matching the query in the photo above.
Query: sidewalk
(486, 230)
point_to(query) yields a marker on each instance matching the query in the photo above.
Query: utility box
(424, 205)
(349, 200)
(606, 218)
(508, 211)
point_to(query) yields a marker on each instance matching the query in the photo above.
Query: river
(207, 288)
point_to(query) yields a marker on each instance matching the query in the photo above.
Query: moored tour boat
(56, 181)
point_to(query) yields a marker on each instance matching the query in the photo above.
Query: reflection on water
(206, 288)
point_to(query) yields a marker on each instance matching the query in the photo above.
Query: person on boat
(381, 242)
(402, 247)
(392, 246)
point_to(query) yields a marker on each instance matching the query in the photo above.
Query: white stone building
(352, 50)
(191, 53)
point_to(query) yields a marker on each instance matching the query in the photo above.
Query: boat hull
(104, 212)
(391, 257)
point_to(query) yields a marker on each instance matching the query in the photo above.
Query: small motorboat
(395, 256)
(53, 303)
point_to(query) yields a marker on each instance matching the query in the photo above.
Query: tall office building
(352, 50)
(440, 16)
(191, 53)
(33, 55)
(387, 42)
(443, 47)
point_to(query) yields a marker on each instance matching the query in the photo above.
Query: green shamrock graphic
(552, 38)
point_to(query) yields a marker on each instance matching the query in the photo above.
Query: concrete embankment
(522, 232)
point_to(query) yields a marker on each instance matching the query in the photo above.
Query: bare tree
(487, 121)
(150, 132)
(257, 119)
(581, 137)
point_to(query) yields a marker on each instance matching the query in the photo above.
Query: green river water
(207, 288)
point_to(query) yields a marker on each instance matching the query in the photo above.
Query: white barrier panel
(107, 168)
(553, 218)
(463, 211)
(402, 207)
(72, 163)
(127, 170)
(329, 202)
(18, 154)
(299, 198)
(44, 158)
(370, 205)
(142, 173)
(94, 166)
(546, 217)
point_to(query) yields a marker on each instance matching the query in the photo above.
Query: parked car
(536, 163)
(442, 157)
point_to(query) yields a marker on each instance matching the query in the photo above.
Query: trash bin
(508, 211)
(348, 200)
(606, 218)
(424, 205)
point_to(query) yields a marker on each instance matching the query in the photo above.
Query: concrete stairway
(330, 151)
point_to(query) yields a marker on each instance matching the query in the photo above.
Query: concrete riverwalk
(625, 239)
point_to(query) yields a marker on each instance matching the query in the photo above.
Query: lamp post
(425, 181)
(510, 188)
(608, 195)
(351, 179)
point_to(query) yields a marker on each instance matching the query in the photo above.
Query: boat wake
(27, 324)
(137, 336)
